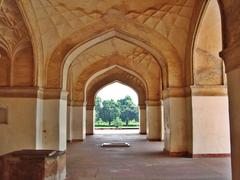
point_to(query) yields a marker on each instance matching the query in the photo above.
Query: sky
(117, 91)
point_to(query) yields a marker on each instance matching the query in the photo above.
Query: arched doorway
(116, 109)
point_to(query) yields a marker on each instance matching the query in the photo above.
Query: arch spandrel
(78, 91)
(116, 51)
(152, 82)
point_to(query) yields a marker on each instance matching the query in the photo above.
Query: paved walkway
(142, 161)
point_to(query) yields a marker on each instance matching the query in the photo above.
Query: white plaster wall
(153, 122)
(210, 125)
(175, 120)
(89, 121)
(19, 133)
(78, 119)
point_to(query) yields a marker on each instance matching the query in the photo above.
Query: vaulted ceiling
(156, 38)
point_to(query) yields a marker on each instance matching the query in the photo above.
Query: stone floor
(142, 161)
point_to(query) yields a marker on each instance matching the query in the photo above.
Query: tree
(109, 111)
(98, 106)
(129, 110)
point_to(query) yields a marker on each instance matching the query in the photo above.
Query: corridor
(142, 161)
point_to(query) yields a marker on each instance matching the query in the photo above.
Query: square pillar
(210, 121)
(153, 114)
(69, 124)
(77, 122)
(231, 56)
(90, 120)
(233, 78)
(51, 132)
(142, 117)
(175, 122)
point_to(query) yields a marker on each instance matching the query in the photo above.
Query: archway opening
(116, 110)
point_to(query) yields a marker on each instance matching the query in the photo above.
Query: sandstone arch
(135, 59)
(72, 54)
(207, 64)
(115, 75)
(101, 77)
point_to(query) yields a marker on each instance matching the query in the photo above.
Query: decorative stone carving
(13, 31)
(15, 47)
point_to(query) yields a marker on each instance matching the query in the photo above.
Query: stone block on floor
(33, 165)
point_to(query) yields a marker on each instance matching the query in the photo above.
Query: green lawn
(116, 124)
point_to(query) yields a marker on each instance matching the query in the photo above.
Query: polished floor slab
(144, 160)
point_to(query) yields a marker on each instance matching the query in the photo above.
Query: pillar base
(153, 113)
(75, 140)
(89, 134)
(209, 155)
(177, 154)
(153, 139)
(90, 120)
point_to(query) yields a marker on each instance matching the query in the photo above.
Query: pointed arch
(200, 10)
(74, 53)
(63, 56)
(113, 74)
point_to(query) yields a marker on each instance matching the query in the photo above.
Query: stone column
(69, 124)
(231, 57)
(153, 114)
(77, 121)
(51, 132)
(90, 119)
(142, 118)
(175, 121)
(210, 118)
(234, 104)
(162, 121)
